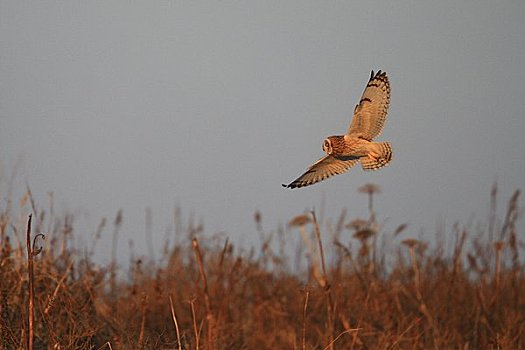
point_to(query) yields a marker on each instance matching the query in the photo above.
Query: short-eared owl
(343, 152)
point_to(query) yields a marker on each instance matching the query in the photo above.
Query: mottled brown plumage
(344, 151)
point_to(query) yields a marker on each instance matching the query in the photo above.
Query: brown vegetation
(372, 290)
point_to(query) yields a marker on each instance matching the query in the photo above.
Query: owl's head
(327, 146)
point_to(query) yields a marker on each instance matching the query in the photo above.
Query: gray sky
(211, 105)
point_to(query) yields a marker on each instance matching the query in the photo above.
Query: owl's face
(327, 146)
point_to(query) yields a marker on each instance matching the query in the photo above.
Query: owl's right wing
(321, 170)
(370, 114)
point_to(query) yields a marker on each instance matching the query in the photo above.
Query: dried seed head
(118, 218)
(257, 217)
(410, 242)
(24, 199)
(400, 229)
(300, 220)
(365, 233)
(369, 189)
(499, 245)
(357, 224)
(514, 200)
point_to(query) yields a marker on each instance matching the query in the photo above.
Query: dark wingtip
(380, 74)
(290, 186)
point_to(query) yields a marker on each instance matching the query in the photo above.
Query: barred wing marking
(370, 114)
(323, 169)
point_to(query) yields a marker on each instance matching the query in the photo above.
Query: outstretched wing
(370, 113)
(323, 169)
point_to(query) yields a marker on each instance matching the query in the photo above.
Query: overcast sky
(211, 105)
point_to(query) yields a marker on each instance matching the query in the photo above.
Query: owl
(344, 151)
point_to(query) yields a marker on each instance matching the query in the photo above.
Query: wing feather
(370, 114)
(323, 169)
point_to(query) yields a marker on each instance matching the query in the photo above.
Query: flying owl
(344, 151)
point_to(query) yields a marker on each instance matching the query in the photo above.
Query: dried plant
(209, 294)
(370, 190)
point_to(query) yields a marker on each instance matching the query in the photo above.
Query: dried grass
(393, 293)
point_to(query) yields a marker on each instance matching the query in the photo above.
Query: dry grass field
(345, 283)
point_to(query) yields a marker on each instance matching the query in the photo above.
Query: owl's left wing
(370, 113)
(321, 170)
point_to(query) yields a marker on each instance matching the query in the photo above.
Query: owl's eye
(326, 143)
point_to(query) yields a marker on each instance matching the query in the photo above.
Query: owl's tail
(380, 156)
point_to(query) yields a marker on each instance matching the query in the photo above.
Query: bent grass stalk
(31, 253)
(174, 317)
(325, 285)
(207, 303)
(31, 311)
(307, 293)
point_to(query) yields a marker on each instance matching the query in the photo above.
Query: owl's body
(344, 151)
(372, 155)
(346, 146)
